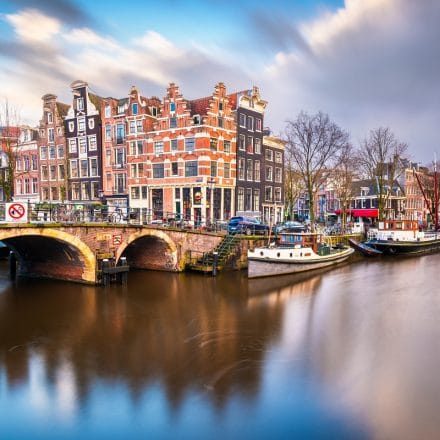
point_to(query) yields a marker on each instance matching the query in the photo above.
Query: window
(73, 168)
(139, 127)
(268, 193)
(277, 194)
(44, 173)
(49, 118)
(250, 144)
(134, 192)
(173, 144)
(242, 120)
(257, 146)
(278, 157)
(269, 155)
(189, 144)
(174, 168)
(19, 186)
(213, 169)
(85, 191)
(59, 131)
(140, 148)
(60, 151)
(95, 190)
(121, 109)
(249, 170)
(258, 124)
(92, 143)
(75, 191)
(248, 201)
(172, 106)
(108, 132)
(120, 133)
(72, 146)
(132, 126)
(43, 153)
(108, 157)
(84, 167)
(93, 167)
(220, 106)
(257, 171)
(80, 104)
(191, 168)
(82, 145)
(269, 173)
(278, 175)
(256, 199)
(53, 172)
(250, 123)
(154, 111)
(144, 190)
(18, 164)
(158, 170)
(240, 199)
(120, 157)
(54, 191)
(132, 148)
(242, 142)
(134, 109)
(61, 172)
(158, 147)
(108, 111)
(213, 144)
(27, 163)
(27, 186)
(51, 134)
(241, 168)
(227, 170)
(81, 124)
(227, 146)
(220, 122)
(35, 185)
(120, 182)
(34, 162)
(196, 120)
(71, 126)
(52, 152)
(91, 123)
(173, 122)
(42, 133)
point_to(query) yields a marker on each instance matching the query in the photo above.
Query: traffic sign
(16, 212)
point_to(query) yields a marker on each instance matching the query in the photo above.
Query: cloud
(371, 63)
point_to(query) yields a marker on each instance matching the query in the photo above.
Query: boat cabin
(300, 239)
(399, 225)
(399, 230)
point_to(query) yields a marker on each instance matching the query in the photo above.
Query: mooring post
(214, 264)
(12, 265)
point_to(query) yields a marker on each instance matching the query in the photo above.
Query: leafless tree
(293, 188)
(9, 134)
(342, 177)
(380, 157)
(313, 145)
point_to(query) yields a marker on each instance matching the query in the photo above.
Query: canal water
(352, 353)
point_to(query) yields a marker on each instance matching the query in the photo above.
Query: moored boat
(295, 252)
(403, 237)
(364, 249)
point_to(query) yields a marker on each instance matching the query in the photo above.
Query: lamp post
(211, 183)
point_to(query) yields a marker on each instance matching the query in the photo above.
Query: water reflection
(350, 353)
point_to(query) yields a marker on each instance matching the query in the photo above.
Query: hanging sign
(16, 213)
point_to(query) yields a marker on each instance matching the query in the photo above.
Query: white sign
(16, 213)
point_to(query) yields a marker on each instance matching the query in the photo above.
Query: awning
(361, 212)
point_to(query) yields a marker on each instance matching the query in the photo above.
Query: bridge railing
(78, 213)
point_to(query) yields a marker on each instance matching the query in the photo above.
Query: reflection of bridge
(71, 252)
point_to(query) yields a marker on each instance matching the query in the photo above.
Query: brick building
(84, 146)
(9, 136)
(27, 174)
(249, 109)
(52, 158)
(273, 192)
(189, 159)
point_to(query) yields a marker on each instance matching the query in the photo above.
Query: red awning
(361, 212)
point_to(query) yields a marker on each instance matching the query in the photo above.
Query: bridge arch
(51, 253)
(150, 249)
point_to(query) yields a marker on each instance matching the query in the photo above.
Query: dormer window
(154, 111)
(134, 108)
(80, 104)
(220, 106)
(120, 109)
(196, 120)
(172, 106)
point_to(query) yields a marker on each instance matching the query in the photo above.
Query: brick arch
(85, 254)
(155, 234)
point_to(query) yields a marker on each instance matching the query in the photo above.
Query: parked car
(289, 226)
(246, 225)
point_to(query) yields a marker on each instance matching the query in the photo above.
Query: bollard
(214, 264)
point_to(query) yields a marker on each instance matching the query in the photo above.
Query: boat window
(261, 253)
(291, 255)
(278, 254)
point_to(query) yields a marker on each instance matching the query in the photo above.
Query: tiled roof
(200, 106)
(233, 98)
(96, 101)
(62, 109)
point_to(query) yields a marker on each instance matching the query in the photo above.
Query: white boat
(295, 252)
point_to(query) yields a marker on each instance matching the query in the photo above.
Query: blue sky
(365, 62)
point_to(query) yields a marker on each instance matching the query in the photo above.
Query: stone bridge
(72, 252)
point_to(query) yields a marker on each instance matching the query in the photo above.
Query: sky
(367, 63)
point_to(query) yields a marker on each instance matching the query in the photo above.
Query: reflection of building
(273, 181)
(83, 137)
(26, 185)
(52, 150)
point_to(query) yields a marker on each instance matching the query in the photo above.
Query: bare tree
(343, 175)
(380, 157)
(313, 145)
(9, 134)
(293, 188)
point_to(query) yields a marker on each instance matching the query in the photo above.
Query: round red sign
(16, 211)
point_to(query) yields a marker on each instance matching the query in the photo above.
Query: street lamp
(211, 183)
